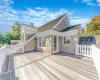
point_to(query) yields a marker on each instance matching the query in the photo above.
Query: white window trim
(41, 42)
(67, 37)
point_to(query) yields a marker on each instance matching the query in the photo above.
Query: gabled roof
(75, 27)
(29, 26)
(50, 24)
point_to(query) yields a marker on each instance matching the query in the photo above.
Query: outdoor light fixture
(35, 38)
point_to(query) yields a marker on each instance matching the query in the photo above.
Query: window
(67, 40)
(42, 41)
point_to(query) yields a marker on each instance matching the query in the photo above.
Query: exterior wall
(30, 46)
(79, 34)
(14, 42)
(49, 43)
(27, 36)
(69, 48)
(63, 24)
(27, 32)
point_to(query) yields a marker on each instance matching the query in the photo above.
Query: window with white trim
(42, 41)
(66, 40)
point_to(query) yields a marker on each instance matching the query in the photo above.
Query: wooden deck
(40, 66)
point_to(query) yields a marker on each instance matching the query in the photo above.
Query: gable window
(66, 40)
(42, 41)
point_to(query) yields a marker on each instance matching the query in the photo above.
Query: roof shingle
(75, 27)
(50, 24)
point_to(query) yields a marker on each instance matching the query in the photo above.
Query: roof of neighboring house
(87, 40)
(75, 27)
(29, 26)
(50, 24)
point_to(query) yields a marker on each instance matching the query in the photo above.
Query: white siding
(63, 24)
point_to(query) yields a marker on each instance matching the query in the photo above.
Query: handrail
(9, 50)
(3, 55)
(96, 59)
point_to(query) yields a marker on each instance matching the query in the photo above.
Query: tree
(93, 27)
(1, 39)
(16, 31)
(7, 37)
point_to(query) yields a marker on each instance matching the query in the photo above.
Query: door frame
(56, 44)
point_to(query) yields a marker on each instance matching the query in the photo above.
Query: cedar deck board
(41, 66)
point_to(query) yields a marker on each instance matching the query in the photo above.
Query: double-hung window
(42, 41)
(66, 40)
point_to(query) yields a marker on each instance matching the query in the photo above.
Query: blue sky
(41, 11)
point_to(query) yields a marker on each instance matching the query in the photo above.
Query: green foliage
(93, 27)
(16, 31)
(13, 35)
(1, 45)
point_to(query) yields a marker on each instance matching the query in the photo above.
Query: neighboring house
(27, 31)
(55, 36)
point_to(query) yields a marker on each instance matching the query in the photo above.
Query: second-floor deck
(41, 66)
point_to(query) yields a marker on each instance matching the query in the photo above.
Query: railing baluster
(85, 50)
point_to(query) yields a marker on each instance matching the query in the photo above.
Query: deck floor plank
(40, 66)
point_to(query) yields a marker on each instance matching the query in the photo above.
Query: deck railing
(3, 55)
(85, 50)
(96, 58)
(90, 51)
(9, 50)
(13, 49)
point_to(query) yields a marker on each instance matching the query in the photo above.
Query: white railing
(3, 55)
(85, 50)
(90, 51)
(13, 49)
(96, 59)
(9, 50)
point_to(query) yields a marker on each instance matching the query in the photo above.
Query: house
(53, 37)
(57, 36)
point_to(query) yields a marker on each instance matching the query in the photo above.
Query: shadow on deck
(8, 70)
(39, 66)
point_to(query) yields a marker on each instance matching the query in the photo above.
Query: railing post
(76, 51)
(22, 48)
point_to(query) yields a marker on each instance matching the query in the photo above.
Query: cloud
(6, 2)
(89, 2)
(79, 20)
(38, 15)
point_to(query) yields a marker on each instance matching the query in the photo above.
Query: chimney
(32, 25)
